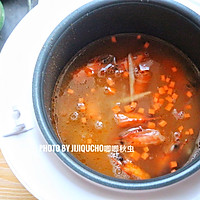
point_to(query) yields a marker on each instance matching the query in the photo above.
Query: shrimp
(131, 119)
(132, 170)
(140, 137)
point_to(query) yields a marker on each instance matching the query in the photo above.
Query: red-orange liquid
(83, 113)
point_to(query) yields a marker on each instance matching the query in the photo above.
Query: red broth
(136, 96)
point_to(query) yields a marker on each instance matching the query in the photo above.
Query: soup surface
(132, 100)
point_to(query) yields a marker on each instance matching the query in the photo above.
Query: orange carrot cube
(189, 94)
(145, 155)
(146, 149)
(187, 133)
(151, 111)
(172, 84)
(173, 164)
(191, 131)
(146, 45)
(157, 95)
(167, 80)
(113, 39)
(174, 96)
(174, 69)
(162, 77)
(162, 123)
(169, 106)
(151, 125)
(70, 91)
(186, 115)
(156, 106)
(139, 37)
(135, 155)
(141, 110)
(180, 128)
(161, 101)
(155, 99)
(116, 109)
(161, 90)
(165, 87)
(169, 99)
(170, 91)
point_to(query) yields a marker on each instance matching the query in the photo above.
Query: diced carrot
(83, 120)
(92, 90)
(191, 131)
(151, 125)
(83, 108)
(133, 104)
(180, 128)
(116, 109)
(156, 106)
(139, 37)
(157, 95)
(146, 149)
(170, 91)
(110, 90)
(135, 155)
(174, 96)
(188, 107)
(151, 111)
(172, 84)
(162, 77)
(113, 39)
(174, 69)
(162, 123)
(167, 80)
(155, 99)
(146, 45)
(165, 87)
(128, 108)
(173, 170)
(173, 164)
(161, 90)
(110, 81)
(125, 74)
(145, 155)
(186, 115)
(161, 101)
(80, 100)
(70, 91)
(141, 110)
(169, 99)
(189, 94)
(187, 133)
(89, 141)
(169, 106)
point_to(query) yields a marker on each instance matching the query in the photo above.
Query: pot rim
(46, 128)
